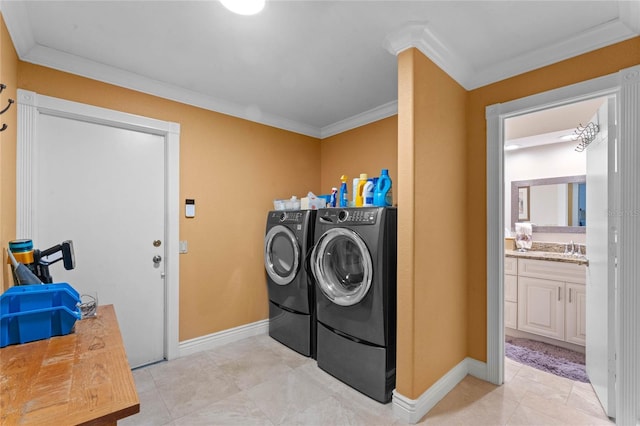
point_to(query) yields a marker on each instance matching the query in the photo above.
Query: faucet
(569, 248)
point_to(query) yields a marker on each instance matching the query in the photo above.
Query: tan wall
(8, 76)
(234, 169)
(581, 68)
(432, 321)
(367, 149)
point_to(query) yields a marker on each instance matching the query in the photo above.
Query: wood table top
(81, 378)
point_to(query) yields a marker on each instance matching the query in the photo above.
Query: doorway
(86, 171)
(626, 84)
(555, 301)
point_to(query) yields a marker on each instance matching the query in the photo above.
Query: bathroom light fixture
(244, 7)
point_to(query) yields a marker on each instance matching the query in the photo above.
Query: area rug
(543, 356)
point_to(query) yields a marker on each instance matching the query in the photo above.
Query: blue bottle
(344, 197)
(382, 196)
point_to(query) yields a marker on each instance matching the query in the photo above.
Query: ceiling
(312, 67)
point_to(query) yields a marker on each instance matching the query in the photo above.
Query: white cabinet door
(541, 307)
(510, 288)
(511, 315)
(576, 327)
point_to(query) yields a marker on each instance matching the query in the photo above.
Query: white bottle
(367, 194)
(354, 192)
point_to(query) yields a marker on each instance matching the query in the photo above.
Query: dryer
(287, 245)
(354, 265)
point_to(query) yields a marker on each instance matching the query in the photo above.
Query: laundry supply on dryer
(360, 189)
(354, 192)
(334, 197)
(344, 196)
(367, 192)
(382, 196)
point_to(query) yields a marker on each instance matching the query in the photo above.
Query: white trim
(420, 36)
(221, 338)
(627, 82)
(628, 295)
(412, 410)
(495, 249)
(595, 38)
(375, 114)
(30, 105)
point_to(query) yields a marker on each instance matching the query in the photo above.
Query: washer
(354, 264)
(287, 245)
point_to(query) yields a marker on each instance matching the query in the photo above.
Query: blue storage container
(34, 312)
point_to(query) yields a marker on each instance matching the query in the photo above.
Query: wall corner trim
(412, 410)
(221, 338)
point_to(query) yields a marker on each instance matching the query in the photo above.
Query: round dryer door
(281, 254)
(342, 266)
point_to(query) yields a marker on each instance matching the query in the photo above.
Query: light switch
(183, 247)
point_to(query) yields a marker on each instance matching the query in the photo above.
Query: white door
(103, 188)
(600, 349)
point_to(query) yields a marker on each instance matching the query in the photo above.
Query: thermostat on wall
(190, 208)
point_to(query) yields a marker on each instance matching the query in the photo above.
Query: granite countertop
(548, 255)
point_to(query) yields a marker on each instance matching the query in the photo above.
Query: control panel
(353, 216)
(287, 216)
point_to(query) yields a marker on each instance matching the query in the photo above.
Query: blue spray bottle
(344, 197)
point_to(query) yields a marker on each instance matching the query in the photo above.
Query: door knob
(157, 258)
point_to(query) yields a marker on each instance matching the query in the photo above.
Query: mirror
(551, 205)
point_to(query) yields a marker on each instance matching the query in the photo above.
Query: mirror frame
(517, 184)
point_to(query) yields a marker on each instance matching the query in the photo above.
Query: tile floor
(257, 381)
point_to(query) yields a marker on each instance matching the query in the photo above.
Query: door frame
(30, 106)
(626, 86)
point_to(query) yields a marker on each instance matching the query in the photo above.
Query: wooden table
(81, 378)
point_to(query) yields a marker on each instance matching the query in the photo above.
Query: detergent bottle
(344, 194)
(367, 192)
(334, 196)
(354, 193)
(360, 190)
(382, 196)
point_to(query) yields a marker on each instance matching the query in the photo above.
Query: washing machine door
(342, 266)
(281, 254)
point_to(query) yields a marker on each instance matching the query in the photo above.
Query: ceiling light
(244, 7)
(511, 147)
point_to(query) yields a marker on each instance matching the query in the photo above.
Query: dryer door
(281, 254)
(342, 266)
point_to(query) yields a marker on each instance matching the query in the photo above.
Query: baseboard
(222, 338)
(412, 410)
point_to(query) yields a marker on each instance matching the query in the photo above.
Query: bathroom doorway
(625, 85)
(556, 171)
(545, 173)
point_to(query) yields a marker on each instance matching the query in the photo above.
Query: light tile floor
(258, 381)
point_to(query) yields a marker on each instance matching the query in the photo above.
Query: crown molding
(595, 38)
(61, 61)
(17, 21)
(418, 35)
(629, 13)
(375, 114)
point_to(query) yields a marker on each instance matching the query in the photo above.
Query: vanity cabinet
(550, 301)
(576, 317)
(511, 292)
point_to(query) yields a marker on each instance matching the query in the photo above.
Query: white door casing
(35, 110)
(626, 84)
(600, 286)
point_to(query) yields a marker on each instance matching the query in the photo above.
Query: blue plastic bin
(34, 312)
(23, 298)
